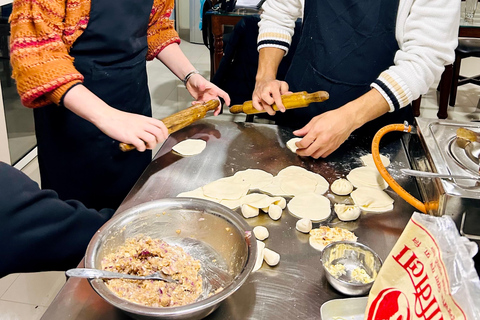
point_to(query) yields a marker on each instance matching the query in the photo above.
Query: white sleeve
(427, 34)
(277, 23)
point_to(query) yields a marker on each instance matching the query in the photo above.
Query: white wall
(183, 7)
(4, 151)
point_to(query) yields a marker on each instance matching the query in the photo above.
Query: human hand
(140, 131)
(324, 134)
(268, 92)
(203, 90)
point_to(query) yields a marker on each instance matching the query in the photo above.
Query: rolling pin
(181, 119)
(290, 101)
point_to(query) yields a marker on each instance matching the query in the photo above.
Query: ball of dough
(249, 211)
(304, 225)
(347, 212)
(342, 187)
(260, 232)
(291, 144)
(274, 211)
(271, 257)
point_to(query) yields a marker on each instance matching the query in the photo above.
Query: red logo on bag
(390, 304)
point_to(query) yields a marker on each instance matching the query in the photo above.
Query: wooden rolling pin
(181, 119)
(290, 101)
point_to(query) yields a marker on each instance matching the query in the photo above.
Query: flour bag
(428, 275)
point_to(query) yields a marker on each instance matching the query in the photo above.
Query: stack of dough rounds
(226, 188)
(372, 199)
(294, 180)
(321, 237)
(366, 177)
(310, 206)
(368, 160)
(255, 177)
(291, 144)
(342, 187)
(190, 147)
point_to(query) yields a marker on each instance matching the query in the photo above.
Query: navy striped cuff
(389, 93)
(273, 42)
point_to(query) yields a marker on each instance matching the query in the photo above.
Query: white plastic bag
(429, 275)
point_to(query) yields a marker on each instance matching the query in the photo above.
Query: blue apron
(76, 159)
(344, 46)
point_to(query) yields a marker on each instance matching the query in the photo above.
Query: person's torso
(344, 46)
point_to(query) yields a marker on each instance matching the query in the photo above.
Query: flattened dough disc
(310, 206)
(190, 147)
(225, 188)
(366, 177)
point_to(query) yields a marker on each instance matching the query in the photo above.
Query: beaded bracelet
(188, 76)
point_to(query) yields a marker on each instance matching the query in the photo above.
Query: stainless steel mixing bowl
(209, 232)
(351, 255)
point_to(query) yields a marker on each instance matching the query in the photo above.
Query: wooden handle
(290, 101)
(181, 119)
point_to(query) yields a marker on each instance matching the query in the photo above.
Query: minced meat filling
(143, 256)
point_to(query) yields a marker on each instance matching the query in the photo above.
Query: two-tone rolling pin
(290, 101)
(182, 119)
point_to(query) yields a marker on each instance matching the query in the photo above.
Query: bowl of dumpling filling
(204, 249)
(350, 267)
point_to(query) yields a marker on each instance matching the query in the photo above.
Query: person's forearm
(268, 61)
(366, 108)
(175, 60)
(85, 104)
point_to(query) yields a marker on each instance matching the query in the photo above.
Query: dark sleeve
(38, 231)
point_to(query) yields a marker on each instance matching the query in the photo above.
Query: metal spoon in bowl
(103, 274)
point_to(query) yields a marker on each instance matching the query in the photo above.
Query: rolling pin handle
(126, 147)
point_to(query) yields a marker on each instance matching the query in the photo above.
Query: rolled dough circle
(311, 206)
(190, 147)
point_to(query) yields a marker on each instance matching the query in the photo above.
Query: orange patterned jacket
(42, 33)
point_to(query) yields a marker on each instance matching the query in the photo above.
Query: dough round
(341, 187)
(291, 144)
(368, 160)
(255, 177)
(190, 147)
(366, 177)
(197, 193)
(347, 212)
(372, 199)
(296, 185)
(304, 225)
(261, 233)
(225, 188)
(258, 200)
(301, 178)
(311, 206)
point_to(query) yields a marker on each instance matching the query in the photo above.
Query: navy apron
(344, 46)
(76, 159)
